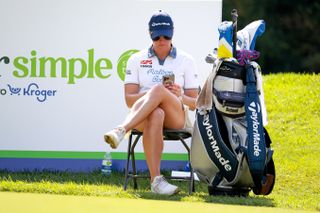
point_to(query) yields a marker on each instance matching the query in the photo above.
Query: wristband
(181, 98)
(181, 95)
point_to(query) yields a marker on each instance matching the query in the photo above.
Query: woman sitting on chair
(161, 84)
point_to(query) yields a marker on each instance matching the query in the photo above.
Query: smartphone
(168, 79)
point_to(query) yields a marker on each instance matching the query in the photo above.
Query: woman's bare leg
(153, 141)
(157, 96)
(152, 128)
(159, 108)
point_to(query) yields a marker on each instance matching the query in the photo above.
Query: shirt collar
(172, 53)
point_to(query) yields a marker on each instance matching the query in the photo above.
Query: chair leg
(191, 179)
(127, 164)
(133, 161)
(191, 184)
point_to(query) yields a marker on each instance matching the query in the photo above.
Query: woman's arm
(188, 96)
(131, 93)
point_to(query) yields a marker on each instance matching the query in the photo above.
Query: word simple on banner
(72, 68)
(36, 67)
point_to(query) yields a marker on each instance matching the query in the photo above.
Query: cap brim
(156, 33)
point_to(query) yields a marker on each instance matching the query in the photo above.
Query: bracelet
(181, 96)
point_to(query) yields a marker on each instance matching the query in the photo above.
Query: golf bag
(230, 148)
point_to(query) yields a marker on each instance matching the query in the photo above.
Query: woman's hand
(175, 89)
(187, 97)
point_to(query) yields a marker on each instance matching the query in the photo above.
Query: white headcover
(248, 35)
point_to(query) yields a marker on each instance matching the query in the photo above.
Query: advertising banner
(62, 65)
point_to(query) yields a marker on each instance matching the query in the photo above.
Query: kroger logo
(32, 90)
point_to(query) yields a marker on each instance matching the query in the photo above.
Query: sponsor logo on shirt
(146, 63)
(156, 74)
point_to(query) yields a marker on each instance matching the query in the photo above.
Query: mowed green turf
(40, 203)
(293, 105)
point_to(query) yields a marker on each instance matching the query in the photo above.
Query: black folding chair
(168, 134)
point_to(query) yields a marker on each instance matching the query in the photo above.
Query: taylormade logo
(255, 125)
(213, 143)
(160, 23)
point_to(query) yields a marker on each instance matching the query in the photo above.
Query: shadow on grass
(116, 180)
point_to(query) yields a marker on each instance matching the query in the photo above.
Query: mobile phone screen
(168, 79)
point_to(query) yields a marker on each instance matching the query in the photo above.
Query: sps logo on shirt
(146, 63)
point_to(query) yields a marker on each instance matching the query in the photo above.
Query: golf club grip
(234, 17)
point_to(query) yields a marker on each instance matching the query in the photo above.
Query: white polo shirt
(145, 69)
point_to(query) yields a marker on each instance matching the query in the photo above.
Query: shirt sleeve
(132, 72)
(191, 79)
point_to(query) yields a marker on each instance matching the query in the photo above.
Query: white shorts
(187, 122)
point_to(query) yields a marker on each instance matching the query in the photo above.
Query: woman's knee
(158, 90)
(156, 117)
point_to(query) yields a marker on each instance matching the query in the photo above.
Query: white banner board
(62, 62)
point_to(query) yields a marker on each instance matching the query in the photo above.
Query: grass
(95, 184)
(293, 104)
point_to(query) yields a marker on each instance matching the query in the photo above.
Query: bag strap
(217, 150)
(256, 152)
